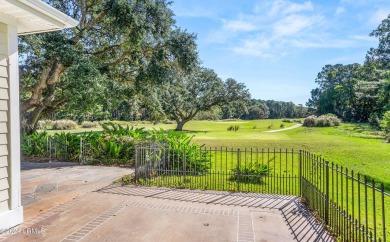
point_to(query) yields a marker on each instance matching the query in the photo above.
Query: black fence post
(327, 192)
(383, 211)
(184, 164)
(374, 208)
(300, 173)
(50, 148)
(238, 169)
(81, 150)
(136, 165)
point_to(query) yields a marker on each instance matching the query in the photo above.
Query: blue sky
(278, 47)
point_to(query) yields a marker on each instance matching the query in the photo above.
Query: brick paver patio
(80, 203)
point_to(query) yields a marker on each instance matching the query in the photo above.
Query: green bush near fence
(34, 145)
(249, 174)
(114, 146)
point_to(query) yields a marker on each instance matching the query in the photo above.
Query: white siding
(3, 105)
(3, 116)
(4, 206)
(3, 150)
(3, 161)
(3, 139)
(4, 183)
(3, 82)
(3, 128)
(4, 94)
(4, 97)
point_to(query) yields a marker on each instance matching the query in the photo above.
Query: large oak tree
(129, 42)
(188, 94)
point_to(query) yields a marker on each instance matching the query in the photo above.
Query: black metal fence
(252, 170)
(75, 149)
(57, 149)
(352, 207)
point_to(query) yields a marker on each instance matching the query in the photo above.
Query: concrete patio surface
(68, 202)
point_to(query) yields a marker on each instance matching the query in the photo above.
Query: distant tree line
(354, 92)
(256, 109)
(138, 110)
(260, 109)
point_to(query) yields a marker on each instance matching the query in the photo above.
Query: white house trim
(34, 16)
(11, 218)
(13, 118)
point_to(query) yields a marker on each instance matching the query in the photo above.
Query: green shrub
(327, 120)
(234, 128)
(67, 146)
(88, 124)
(64, 124)
(34, 145)
(179, 146)
(282, 125)
(254, 127)
(374, 120)
(287, 120)
(64, 145)
(167, 121)
(118, 130)
(113, 150)
(270, 126)
(45, 124)
(385, 125)
(310, 121)
(322, 122)
(250, 174)
(116, 145)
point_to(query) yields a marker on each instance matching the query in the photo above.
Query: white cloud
(363, 2)
(377, 17)
(263, 32)
(286, 7)
(254, 47)
(363, 38)
(339, 10)
(279, 28)
(293, 24)
(238, 25)
(283, 7)
(334, 43)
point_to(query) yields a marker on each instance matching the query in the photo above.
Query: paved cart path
(80, 203)
(280, 130)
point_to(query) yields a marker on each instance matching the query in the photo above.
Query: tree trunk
(42, 100)
(30, 120)
(180, 124)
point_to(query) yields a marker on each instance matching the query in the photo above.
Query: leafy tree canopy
(354, 92)
(186, 95)
(133, 43)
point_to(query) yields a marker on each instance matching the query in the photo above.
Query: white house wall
(4, 98)
(11, 211)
